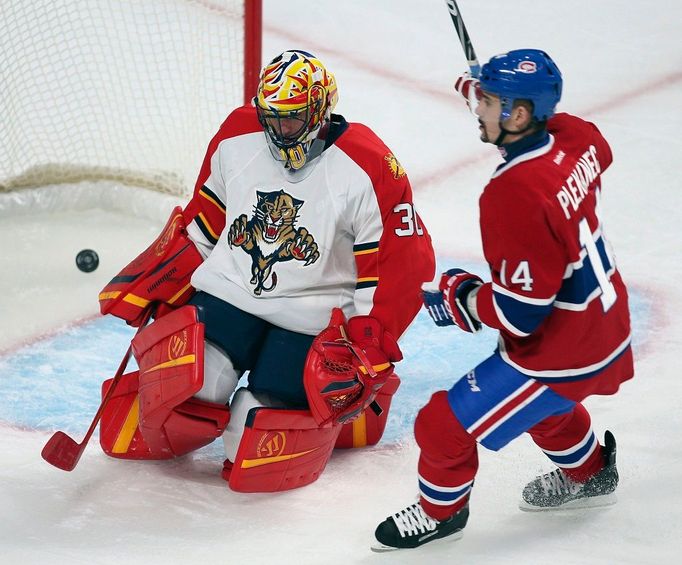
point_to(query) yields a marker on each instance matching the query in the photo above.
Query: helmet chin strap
(504, 132)
(500, 137)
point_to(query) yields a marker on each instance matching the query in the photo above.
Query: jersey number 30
(409, 218)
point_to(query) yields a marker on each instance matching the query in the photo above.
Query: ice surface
(395, 61)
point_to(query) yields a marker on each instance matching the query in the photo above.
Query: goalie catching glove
(347, 365)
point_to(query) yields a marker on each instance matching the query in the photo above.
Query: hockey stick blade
(62, 452)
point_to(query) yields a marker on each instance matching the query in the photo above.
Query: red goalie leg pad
(170, 354)
(369, 427)
(189, 426)
(281, 450)
(193, 424)
(119, 433)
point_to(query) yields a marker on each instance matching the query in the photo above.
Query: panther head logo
(271, 236)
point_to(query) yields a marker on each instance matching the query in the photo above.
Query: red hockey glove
(447, 303)
(470, 88)
(346, 367)
(379, 346)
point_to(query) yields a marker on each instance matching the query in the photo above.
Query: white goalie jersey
(289, 247)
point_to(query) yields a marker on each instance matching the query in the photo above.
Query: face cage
(271, 120)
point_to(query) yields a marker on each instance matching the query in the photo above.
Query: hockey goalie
(296, 264)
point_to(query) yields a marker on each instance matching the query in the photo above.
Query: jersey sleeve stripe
(520, 317)
(367, 264)
(211, 196)
(367, 283)
(582, 286)
(498, 289)
(204, 226)
(511, 328)
(365, 248)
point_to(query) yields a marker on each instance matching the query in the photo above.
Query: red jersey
(556, 296)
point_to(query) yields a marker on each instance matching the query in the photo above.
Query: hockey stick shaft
(464, 39)
(62, 451)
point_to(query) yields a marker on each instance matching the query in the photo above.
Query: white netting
(122, 90)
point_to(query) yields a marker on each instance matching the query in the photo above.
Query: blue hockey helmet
(528, 74)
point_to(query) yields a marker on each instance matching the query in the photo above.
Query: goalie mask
(295, 98)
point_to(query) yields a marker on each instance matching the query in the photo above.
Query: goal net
(129, 91)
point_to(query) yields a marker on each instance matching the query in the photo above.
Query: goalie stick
(469, 53)
(62, 451)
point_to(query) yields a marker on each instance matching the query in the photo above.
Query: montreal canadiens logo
(527, 67)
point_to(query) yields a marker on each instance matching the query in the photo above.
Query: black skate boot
(556, 491)
(411, 528)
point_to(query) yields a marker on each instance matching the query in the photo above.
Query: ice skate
(557, 491)
(411, 528)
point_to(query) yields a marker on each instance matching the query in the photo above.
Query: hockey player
(296, 214)
(556, 298)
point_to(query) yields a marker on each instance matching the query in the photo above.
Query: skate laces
(412, 521)
(557, 482)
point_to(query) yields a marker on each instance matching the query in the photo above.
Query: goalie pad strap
(159, 274)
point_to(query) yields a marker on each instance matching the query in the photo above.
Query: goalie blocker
(160, 274)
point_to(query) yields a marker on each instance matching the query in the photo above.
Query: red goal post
(123, 91)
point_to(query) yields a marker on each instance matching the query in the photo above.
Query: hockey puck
(87, 260)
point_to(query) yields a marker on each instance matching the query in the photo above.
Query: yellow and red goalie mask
(295, 98)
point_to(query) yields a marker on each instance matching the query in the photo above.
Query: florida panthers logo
(271, 236)
(394, 165)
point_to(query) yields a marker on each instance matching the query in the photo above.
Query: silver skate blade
(588, 502)
(379, 547)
